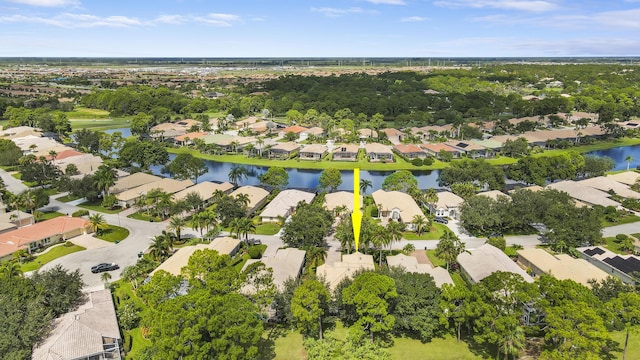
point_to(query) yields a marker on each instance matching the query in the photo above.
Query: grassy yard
(633, 350)
(99, 208)
(113, 233)
(123, 291)
(431, 254)
(54, 253)
(624, 220)
(612, 244)
(95, 119)
(67, 198)
(267, 229)
(457, 279)
(49, 215)
(436, 232)
(142, 216)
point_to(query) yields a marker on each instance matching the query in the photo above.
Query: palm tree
(29, 200)
(364, 185)
(10, 270)
(514, 342)
(394, 228)
(237, 173)
(194, 201)
(246, 226)
(15, 201)
(176, 224)
(169, 237)
(419, 223)
(260, 142)
(244, 199)
(159, 249)
(315, 256)
(249, 148)
(344, 233)
(408, 249)
(97, 222)
(430, 197)
(234, 227)
(380, 239)
(104, 178)
(105, 277)
(449, 247)
(629, 160)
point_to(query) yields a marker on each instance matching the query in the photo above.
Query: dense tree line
(568, 166)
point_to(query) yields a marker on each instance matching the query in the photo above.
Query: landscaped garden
(112, 233)
(52, 254)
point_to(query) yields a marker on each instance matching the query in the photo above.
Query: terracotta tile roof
(437, 147)
(23, 236)
(191, 136)
(408, 148)
(65, 154)
(296, 129)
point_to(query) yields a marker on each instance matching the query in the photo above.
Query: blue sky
(319, 28)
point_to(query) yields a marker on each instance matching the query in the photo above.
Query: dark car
(254, 242)
(440, 220)
(104, 267)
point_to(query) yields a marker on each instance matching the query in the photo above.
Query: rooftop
(340, 198)
(584, 193)
(487, 259)
(170, 186)
(133, 180)
(336, 272)
(447, 199)
(256, 194)
(563, 266)
(410, 264)
(286, 264)
(606, 183)
(205, 189)
(285, 201)
(173, 265)
(389, 200)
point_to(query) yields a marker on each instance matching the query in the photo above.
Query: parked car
(104, 267)
(495, 235)
(254, 241)
(440, 220)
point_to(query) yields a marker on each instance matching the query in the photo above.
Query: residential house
(470, 149)
(171, 130)
(132, 181)
(39, 235)
(365, 134)
(607, 184)
(447, 205)
(31, 144)
(286, 264)
(334, 273)
(410, 151)
(223, 245)
(171, 186)
(345, 152)
(89, 332)
(86, 163)
(313, 152)
(284, 150)
(284, 204)
(583, 193)
(14, 219)
(315, 131)
(187, 139)
(205, 190)
(397, 206)
(378, 152)
(296, 129)
(491, 146)
(625, 177)
(410, 264)
(560, 266)
(624, 267)
(19, 132)
(257, 196)
(395, 136)
(494, 194)
(338, 199)
(483, 261)
(435, 149)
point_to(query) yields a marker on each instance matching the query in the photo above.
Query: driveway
(630, 228)
(12, 184)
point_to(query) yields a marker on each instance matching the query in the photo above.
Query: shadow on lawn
(267, 347)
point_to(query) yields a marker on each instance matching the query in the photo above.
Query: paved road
(124, 254)
(631, 228)
(12, 184)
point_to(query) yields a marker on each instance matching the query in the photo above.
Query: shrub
(427, 161)
(621, 237)
(80, 213)
(254, 252)
(128, 343)
(68, 243)
(416, 162)
(374, 212)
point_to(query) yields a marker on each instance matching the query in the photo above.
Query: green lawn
(436, 232)
(144, 217)
(286, 347)
(99, 208)
(54, 253)
(633, 350)
(612, 244)
(267, 229)
(95, 119)
(636, 235)
(625, 220)
(113, 233)
(67, 198)
(431, 254)
(123, 290)
(49, 215)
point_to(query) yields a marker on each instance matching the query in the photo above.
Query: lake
(126, 132)
(619, 154)
(303, 178)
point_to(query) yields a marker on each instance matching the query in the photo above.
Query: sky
(319, 28)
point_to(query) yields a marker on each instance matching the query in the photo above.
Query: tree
(105, 277)
(454, 300)
(627, 308)
(143, 154)
(449, 247)
(159, 248)
(395, 229)
(629, 160)
(10, 153)
(309, 225)
(309, 304)
(186, 166)
(364, 185)
(515, 148)
(275, 177)
(104, 178)
(315, 257)
(97, 222)
(176, 224)
(330, 180)
(370, 294)
(402, 180)
(237, 173)
(465, 189)
(242, 227)
(419, 223)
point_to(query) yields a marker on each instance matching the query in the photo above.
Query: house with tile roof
(286, 264)
(284, 204)
(205, 190)
(283, 150)
(345, 152)
(313, 152)
(447, 205)
(334, 273)
(257, 196)
(171, 186)
(410, 264)
(485, 260)
(397, 206)
(434, 149)
(410, 151)
(378, 153)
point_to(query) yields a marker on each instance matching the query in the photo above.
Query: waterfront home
(283, 150)
(345, 152)
(397, 206)
(470, 149)
(89, 332)
(435, 149)
(410, 264)
(132, 181)
(205, 190)
(491, 146)
(86, 163)
(223, 245)
(378, 152)
(485, 260)
(410, 151)
(187, 139)
(313, 152)
(257, 196)
(584, 193)
(284, 204)
(170, 186)
(171, 130)
(560, 266)
(287, 264)
(39, 235)
(339, 199)
(334, 273)
(625, 177)
(447, 205)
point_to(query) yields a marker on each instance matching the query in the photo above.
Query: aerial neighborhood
(170, 213)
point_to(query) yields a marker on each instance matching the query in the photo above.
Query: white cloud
(607, 20)
(46, 3)
(170, 19)
(414, 19)
(220, 20)
(334, 12)
(523, 5)
(388, 2)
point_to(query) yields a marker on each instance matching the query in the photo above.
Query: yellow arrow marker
(356, 215)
